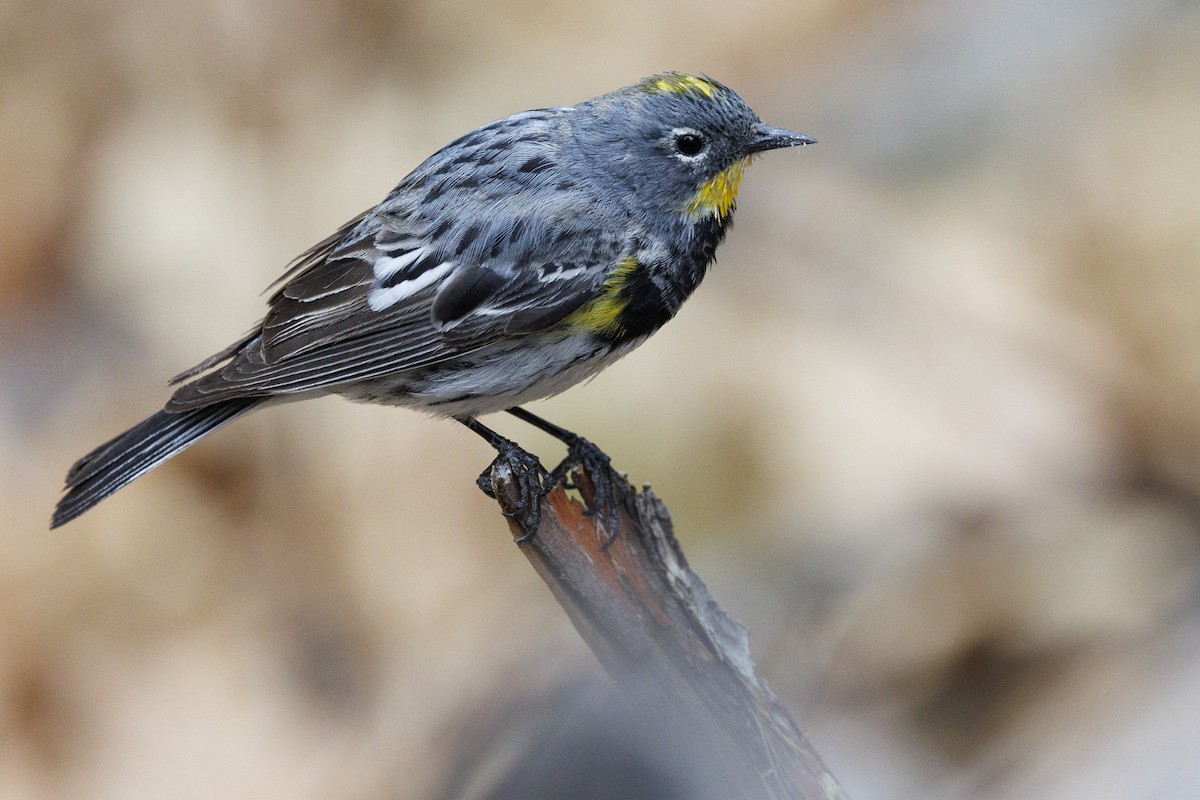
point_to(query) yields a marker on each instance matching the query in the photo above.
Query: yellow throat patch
(718, 195)
(600, 314)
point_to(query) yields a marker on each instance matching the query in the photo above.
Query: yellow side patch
(717, 195)
(680, 83)
(600, 314)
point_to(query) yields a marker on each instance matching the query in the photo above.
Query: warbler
(515, 262)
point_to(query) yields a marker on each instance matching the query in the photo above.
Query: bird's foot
(609, 489)
(531, 482)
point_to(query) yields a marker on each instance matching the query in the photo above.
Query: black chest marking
(651, 294)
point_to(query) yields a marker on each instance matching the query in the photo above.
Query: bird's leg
(532, 479)
(610, 488)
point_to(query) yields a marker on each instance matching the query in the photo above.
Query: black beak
(768, 137)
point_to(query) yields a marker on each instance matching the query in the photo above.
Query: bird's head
(675, 142)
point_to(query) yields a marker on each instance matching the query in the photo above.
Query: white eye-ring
(689, 143)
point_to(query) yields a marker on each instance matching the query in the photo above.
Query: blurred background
(931, 428)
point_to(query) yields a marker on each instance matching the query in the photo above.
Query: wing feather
(464, 284)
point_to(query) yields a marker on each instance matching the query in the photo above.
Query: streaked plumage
(515, 262)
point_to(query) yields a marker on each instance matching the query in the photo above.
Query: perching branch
(648, 617)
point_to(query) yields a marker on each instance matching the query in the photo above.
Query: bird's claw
(609, 489)
(532, 483)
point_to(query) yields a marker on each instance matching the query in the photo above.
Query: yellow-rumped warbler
(515, 262)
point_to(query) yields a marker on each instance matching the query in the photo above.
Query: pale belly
(495, 378)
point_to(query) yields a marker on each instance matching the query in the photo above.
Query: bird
(517, 261)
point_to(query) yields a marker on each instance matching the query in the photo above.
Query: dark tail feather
(136, 451)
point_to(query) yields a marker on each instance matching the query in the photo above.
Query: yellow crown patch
(680, 83)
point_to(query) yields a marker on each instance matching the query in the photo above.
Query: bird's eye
(689, 143)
